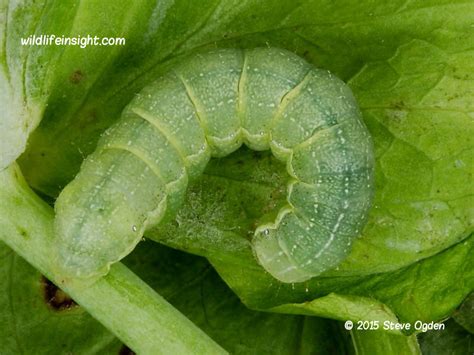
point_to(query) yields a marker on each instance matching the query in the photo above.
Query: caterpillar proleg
(208, 106)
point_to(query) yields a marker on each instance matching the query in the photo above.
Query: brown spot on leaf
(76, 77)
(56, 298)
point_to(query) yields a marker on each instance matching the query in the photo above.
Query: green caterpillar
(266, 98)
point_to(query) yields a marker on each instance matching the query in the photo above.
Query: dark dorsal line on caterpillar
(209, 106)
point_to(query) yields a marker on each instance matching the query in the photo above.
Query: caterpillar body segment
(268, 76)
(213, 88)
(208, 106)
(109, 199)
(165, 105)
(306, 111)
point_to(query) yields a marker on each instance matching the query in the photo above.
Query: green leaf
(451, 341)
(21, 112)
(464, 316)
(367, 342)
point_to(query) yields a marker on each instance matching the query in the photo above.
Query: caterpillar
(208, 106)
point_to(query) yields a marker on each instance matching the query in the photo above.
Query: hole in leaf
(56, 298)
(125, 350)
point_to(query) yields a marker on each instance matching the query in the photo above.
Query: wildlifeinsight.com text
(81, 41)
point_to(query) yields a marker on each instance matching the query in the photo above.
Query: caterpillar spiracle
(208, 106)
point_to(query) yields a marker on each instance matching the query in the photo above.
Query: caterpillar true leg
(267, 98)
